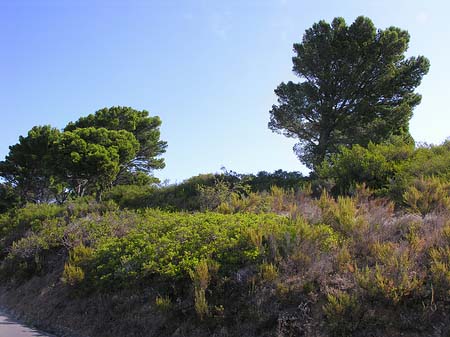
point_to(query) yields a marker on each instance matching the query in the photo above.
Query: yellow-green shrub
(200, 303)
(163, 303)
(395, 275)
(269, 272)
(440, 270)
(343, 313)
(79, 261)
(427, 195)
(342, 214)
(72, 275)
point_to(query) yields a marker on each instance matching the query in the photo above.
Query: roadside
(9, 327)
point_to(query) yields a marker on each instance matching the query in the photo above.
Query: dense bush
(205, 191)
(388, 169)
(427, 195)
(8, 197)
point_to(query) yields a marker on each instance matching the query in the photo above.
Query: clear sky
(207, 68)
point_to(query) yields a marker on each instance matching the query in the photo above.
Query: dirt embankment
(45, 303)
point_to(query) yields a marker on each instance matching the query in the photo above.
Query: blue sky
(207, 68)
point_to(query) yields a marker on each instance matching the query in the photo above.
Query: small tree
(357, 86)
(116, 145)
(91, 158)
(144, 127)
(29, 165)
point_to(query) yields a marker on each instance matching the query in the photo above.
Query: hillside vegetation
(277, 263)
(91, 244)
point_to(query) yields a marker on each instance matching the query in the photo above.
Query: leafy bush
(172, 244)
(201, 305)
(17, 222)
(269, 272)
(72, 275)
(343, 313)
(395, 275)
(342, 214)
(375, 166)
(229, 191)
(387, 169)
(200, 277)
(427, 195)
(8, 197)
(130, 196)
(440, 270)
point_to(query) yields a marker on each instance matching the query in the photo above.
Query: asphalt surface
(11, 328)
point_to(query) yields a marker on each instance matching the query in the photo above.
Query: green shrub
(200, 275)
(269, 272)
(8, 197)
(324, 237)
(80, 259)
(395, 276)
(163, 303)
(440, 270)
(341, 215)
(130, 196)
(430, 161)
(171, 245)
(343, 313)
(375, 166)
(72, 275)
(14, 224)
(427, 195)
(200, 303)
(388, 169)
(200, 278)
(81, 207)
(25, 257)
(210, 197)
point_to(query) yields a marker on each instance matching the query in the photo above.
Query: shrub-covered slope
(276, 264)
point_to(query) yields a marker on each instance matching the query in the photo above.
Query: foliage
(15, 223)
(343, 313)
(144, 128)
(342, 214)
(229, 192)
(427, 195)
(263, 181)
(131, 196)
(440, 270)
(163, 303)
(114, 146)
(8, 197)
(375, 166)
(72, 275)
(269, 272)
(137, 178)
(391, 169)
(171, 245)
(394, 277)
(79, 260)
(200, 277)
(430, 160)
(29, 165)
(92, 157)
(350, 260)
(357, 87)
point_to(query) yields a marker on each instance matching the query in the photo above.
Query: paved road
(11, 328)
